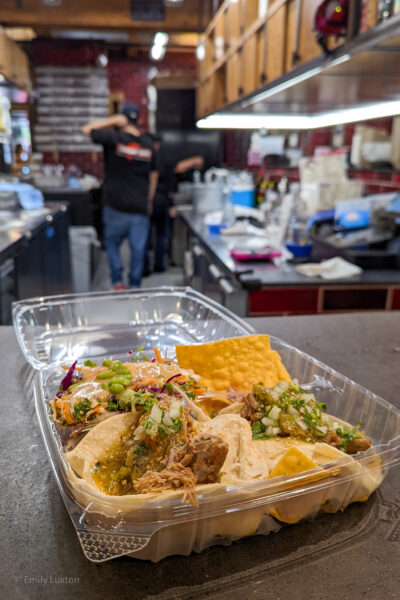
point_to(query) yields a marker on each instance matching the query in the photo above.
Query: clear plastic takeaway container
(60, 329)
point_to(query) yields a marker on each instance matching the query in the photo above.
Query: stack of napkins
(334, 268)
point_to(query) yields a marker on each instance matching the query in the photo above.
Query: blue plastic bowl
(299, 250)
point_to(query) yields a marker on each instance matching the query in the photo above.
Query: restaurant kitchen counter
(80, 202)
(350, 555)
(261, 288)
(34, 255)
(17, 227)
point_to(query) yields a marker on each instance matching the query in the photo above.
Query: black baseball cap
(131, 111)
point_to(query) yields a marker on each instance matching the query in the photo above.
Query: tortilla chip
(292, 462)
(236, 362)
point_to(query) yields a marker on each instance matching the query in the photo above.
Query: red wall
(237, 142)
(128, 75)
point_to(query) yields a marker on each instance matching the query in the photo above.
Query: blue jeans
(117, 226)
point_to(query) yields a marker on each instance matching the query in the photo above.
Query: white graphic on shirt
(132, 151)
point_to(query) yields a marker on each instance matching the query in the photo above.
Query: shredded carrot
(157, 353)
(93, 411)
(138, 384)
(68, 368)
(198, 391)
(67, 413)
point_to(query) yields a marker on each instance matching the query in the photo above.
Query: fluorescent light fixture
(107, 36)
(157, 51)
(357, 113)
(290, 122)
(236, 121)
(200, 52)
(160, 39)
(294, 81)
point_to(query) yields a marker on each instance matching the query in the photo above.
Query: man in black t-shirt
(169, 174)
(130, 181)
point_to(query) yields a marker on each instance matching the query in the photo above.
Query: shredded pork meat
(205, 456)
(172, 477)
(250, 409)
(199, 460)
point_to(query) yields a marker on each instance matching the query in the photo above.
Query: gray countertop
(350, 555)
(266, 273)
(18, 227)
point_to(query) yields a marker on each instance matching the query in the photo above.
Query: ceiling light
(157, 52)
(175, 3)
(200, 52)
(160, 39)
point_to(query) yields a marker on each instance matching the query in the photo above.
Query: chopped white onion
(139, 431)
(167, 419)
(276, 430)
(301, 424)
(156, 414)
(282, 387)
(269, 429)
(274, 413)
(175, 409)
(293, 411)
(267, 421)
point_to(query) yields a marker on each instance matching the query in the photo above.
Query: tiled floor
(101, 280)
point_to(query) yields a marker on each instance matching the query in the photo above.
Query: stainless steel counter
(255, 288)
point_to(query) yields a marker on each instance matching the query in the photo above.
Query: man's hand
(86, 129)
(194, 162)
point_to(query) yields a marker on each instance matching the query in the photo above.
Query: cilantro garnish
(139, 355)
(144, 399)
(112, 404)
(347, 434)
(80, 409)
(258, 431)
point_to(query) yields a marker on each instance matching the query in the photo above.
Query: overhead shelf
(255, 75)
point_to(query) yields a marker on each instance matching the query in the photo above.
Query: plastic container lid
(57, 330)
